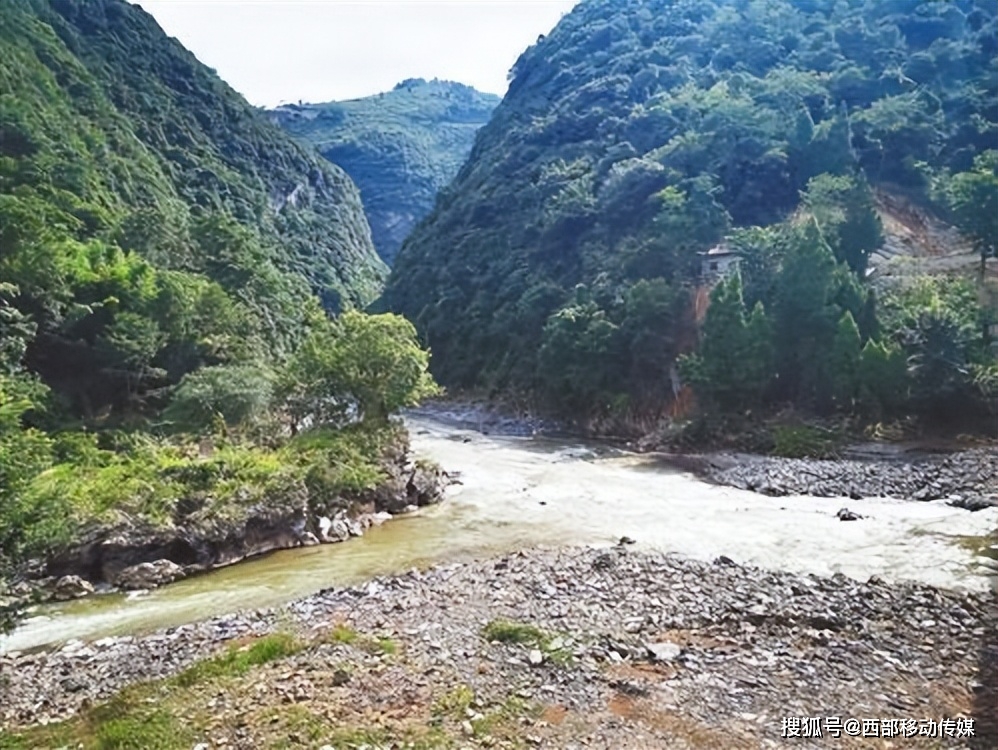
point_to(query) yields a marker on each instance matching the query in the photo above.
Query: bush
(804, 441)
(236, 393)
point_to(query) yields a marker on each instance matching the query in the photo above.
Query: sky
(274, 51)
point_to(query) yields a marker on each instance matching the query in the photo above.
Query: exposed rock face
(139, 557)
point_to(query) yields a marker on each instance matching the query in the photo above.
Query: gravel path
(638, 651)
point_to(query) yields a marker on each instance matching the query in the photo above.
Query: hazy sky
(319, 50)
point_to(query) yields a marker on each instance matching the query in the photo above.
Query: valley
(650, 400)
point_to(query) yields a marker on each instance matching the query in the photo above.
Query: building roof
(720, 251)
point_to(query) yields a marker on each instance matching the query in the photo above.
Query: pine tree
(845, 362)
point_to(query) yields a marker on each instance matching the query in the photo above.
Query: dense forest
(168, 260)
(400, 147)
(563, 262)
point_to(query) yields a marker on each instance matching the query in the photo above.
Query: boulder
(149, 575)
(71, 587)
(664, 651)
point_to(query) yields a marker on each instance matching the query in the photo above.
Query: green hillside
(128, 168)
(562, 261)
(400, 147)
(167, 369)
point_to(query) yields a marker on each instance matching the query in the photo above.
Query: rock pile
(968, 479)
(637, 650)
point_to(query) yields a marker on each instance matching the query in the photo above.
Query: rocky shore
(967, 479)
(563, 648)
(133, 556)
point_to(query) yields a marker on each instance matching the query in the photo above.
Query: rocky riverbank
(551, 648)
(131, 555)
(967, 479)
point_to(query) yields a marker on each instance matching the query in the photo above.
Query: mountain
(563, 259)
(127, 120)
(149, 214)
(400, 147)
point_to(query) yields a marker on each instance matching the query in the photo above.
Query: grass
(299, 725)
(508, 631)
(132, 720)
(238, 661)
(498, 722)
(144, 477)
(805, 441)
(341, 633)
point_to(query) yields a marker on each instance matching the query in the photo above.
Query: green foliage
(733, 365)
(845, 362)
(803, 441)
(577, 357)
(362, 367)
(636, 135)
(160, 246)
(938, 323)
(156, 730)
(972, 198)
(505, 631)
(238, 661)
(151, 221)
(844, 210)
(883, 378)
(238, 394)
(805, 315)
(25, 452)
(401, 147)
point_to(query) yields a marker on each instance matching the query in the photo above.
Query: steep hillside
(103, 114)
(169, 378)
(400, 147)
(638, 134)
(150, 219)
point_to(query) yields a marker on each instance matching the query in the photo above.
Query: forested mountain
(168, 261)
(147, 212)
(400, 147)
(563, 259)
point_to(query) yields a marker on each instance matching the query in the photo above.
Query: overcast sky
(273, 51)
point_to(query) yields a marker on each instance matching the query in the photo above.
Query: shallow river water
(517, 492)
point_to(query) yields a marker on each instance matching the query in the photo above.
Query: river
(517, 492)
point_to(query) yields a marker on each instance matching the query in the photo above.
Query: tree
(883, 381)
(236, 393)
(845, 362)
(804, 318)
(844, 209)
(24, 453)
(357, 367)
(973, 199)
(733, 363)
(578, 363)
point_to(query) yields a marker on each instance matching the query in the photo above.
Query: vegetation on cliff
(401, 147)
(563, 260)
(165, 257)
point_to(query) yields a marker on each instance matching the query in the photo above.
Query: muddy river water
(517, 492)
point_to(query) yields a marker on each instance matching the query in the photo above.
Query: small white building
(718, 263)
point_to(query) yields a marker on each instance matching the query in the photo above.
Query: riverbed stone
(815, 645)
(149, 575)
(70, 587)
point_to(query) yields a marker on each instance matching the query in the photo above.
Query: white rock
(664, 651)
